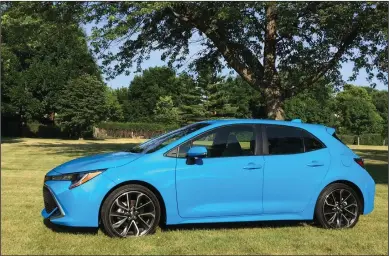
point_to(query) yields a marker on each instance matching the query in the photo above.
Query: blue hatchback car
(214, 171)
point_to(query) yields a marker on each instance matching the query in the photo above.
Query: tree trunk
(271, 79)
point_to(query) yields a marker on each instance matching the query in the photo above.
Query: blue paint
(215, 189)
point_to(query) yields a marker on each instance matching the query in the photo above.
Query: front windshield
(165, 139)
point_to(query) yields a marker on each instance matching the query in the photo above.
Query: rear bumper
(368, 195)
(80, 206)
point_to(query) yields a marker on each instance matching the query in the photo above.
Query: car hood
(95, 162)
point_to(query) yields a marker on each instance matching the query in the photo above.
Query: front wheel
(130, 210)
(338, 207)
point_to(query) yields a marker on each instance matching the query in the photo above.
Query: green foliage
(191, 106)
(82, 105)
(165, 111)
(356, 111)
(364, 139)
(311, 37)
(114, 109)
(42, 49)
(312, 106)
(146, 89)
(131, 130)
(380, 101)
(38, 130)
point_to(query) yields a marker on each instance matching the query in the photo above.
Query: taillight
(360, 162)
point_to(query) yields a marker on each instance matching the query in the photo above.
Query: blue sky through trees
(155, 60)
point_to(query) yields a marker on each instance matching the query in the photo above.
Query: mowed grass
(24, 163)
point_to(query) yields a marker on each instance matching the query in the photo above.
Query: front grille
(49, 201)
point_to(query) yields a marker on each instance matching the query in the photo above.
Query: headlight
(77, 179)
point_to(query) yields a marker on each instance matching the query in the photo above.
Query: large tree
(356, 112)
(42, 49)
(264, 42)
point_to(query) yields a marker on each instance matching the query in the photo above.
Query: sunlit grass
(25, 161)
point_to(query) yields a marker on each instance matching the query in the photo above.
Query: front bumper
(77, 207)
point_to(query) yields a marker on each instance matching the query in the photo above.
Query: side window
(228, 141)
(311, 143)
(284, 140)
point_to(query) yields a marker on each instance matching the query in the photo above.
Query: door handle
(252, 166)
(315, 164)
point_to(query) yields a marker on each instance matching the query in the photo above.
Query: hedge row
(37, 130)
(130, 130)
(364, 139)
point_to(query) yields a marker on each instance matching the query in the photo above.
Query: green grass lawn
(24, 163)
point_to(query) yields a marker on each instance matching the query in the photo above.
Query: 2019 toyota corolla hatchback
(214, 171)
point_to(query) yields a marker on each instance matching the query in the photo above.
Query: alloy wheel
(132, 214)
(340, 208)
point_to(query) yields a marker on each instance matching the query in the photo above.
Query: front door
(228, 182)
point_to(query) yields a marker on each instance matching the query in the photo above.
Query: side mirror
(197, 152)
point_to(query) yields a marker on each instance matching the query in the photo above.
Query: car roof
(295, 122)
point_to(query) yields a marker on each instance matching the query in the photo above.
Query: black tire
(108, 214)
(345, 210)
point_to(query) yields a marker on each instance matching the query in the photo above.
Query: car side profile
(214, 171)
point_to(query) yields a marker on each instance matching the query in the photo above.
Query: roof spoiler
(330, 130)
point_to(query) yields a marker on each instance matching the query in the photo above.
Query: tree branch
(250, 68)
(345, 43)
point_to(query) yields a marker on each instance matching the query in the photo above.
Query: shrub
(364, 139)
(130, 130)
(37, 130)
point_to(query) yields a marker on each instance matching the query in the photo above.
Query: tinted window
(284, 140)
(311, 143)
(228, 141)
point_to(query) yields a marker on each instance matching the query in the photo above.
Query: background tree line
(51, 82)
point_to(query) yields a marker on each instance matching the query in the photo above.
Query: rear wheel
(338, 207)
(130, 210)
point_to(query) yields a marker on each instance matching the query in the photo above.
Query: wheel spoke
(345, 200)
(332, 218)
(338, 223)
(117, 214)
(329, 213)
(350, 212)
(327, 203)
(147, 213)
(143, 205)
(349, 206)
(333, 197)
(136, 227)
(340, 195)
(119, 205)
(144, 221)
(348, 221)
(137, 200)
(119, 223)
(125, 231)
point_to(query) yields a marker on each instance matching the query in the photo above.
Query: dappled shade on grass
(25, 162)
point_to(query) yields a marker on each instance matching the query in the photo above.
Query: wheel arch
(353, 186)
(142, 183)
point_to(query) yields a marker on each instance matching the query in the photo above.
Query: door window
(227, 141)
(311, 143)
(282, 140)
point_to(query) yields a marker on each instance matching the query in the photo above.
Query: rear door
(296, 162)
